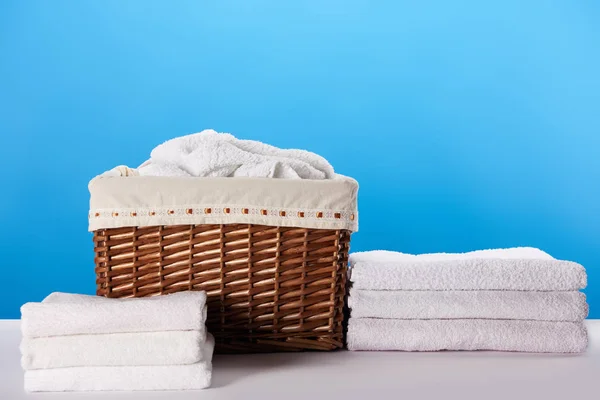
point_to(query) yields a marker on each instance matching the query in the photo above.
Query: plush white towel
(161, 377)
(212, 154)
(71, 314)
(113, 349)
(466, 334)
(490, 304)
(502, 269)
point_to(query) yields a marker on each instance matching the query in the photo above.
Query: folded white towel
(466, 334)
(502, 269)
(71, 314)
(161, 377)
(212, 154)
(113, 349)
(489, 304)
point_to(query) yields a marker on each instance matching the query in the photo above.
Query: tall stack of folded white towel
(518, 299)
(86, 343)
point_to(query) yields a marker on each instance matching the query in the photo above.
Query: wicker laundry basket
(272, 285)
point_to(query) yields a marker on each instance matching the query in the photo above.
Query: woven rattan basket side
(269, 288)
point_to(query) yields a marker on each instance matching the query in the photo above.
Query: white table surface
(361, 375)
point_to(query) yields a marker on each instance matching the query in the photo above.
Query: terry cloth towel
(113, 349)
(72, 314)
(503, 269)
(494, 304)
(466, 334)
(213, 154)
(162, 377)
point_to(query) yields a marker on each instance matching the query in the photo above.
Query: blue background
(468, 124)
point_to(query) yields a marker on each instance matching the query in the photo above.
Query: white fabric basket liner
(153, 200)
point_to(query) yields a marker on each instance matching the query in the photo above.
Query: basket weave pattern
(269, 288)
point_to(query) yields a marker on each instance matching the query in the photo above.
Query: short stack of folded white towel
(518, 299)
(86, 343)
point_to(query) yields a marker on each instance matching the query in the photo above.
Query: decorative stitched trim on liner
(220, 210)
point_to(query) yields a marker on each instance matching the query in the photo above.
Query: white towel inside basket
(212, 154)
(214, 178)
